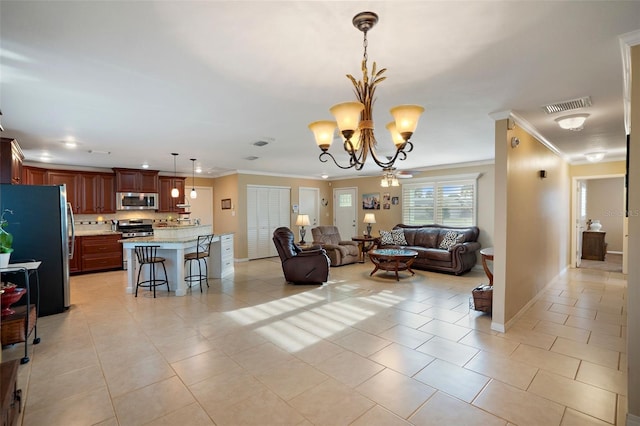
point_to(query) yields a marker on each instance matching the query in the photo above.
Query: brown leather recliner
(300, 266)
(340, 252)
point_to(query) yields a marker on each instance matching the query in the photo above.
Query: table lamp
(302, 221)
(369, 218)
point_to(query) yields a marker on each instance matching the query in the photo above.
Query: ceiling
(133, 81)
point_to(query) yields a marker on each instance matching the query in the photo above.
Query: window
(449, 201)
(345, 200)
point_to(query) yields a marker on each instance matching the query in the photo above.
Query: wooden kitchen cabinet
(11, 158)
(100, 252)
(34, 175)
(72, 180)
(97, 193)
(74, 263)
(133, 180)
(168, 204)
(594, 246)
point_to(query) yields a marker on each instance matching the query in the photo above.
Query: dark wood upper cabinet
(11, 158)
(72, 181)
(97, 193)
(133, 180)
(34, 175)
(167, 202)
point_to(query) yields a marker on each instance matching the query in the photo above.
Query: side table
(487, 254)
(363, 246)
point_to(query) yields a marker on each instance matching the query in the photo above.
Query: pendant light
(175, 193)
(193, 193)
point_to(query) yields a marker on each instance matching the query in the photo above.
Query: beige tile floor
(360, 350)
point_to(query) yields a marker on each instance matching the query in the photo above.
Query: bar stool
(202, 253)
(147, 255)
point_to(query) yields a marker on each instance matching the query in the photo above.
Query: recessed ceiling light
(324, 176)
(198, 169)
(145, 166)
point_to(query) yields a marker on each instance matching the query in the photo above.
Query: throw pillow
(398, 237)
(451, 238)
(386, 238)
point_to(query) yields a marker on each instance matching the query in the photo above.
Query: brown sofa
(426, 240)
(310, 266)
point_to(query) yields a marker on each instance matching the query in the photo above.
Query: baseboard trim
(502, 328)
(633, 420)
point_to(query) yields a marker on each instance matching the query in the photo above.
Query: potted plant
(6, 240)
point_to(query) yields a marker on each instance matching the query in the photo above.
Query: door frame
(575, 219)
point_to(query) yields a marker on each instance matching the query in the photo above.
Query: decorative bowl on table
(10, 296)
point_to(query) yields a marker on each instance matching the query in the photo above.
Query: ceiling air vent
(261, 143)
(251, 158)
(567, 105)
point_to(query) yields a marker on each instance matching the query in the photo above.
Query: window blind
(445, 202)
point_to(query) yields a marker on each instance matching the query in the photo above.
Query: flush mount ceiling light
(193, 194)
(355, 119)
(175, 193)
(594, 157)
(573, 122)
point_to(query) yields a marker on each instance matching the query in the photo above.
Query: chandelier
(355, 119)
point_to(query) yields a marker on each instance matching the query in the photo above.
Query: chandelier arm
(322, 158)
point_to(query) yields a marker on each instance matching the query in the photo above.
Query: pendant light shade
(193, 194)
(175, 193)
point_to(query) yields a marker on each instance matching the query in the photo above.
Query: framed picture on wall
(395, 200)
(226, 204)
(371, 201)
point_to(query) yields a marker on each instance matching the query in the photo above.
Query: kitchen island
(173, 248)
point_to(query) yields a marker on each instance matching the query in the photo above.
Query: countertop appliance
(43, 229)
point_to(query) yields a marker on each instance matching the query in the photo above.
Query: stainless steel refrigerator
(41, 226)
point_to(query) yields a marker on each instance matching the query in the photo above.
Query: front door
(345, 211)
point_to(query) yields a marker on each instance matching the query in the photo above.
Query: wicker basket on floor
(483, 298)
(13, 326)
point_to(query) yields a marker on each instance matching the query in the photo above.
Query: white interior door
(309, 203)
(345, 211)
(202, 205)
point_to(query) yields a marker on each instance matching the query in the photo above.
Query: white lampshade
(369, 218)
(302, 220)
(395, 136)
(573, 122)
(394, 181)
(384, 182)
(406, 117)
(175, 193)
(193, 194)
(323, 132)
(347, 115)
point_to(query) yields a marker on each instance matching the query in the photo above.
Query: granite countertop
(97, 232)
(163, 239)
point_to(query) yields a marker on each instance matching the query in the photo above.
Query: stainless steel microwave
(136, 201)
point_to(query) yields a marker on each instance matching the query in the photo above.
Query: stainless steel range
(134, 228)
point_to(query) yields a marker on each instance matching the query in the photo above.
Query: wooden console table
(593, 245)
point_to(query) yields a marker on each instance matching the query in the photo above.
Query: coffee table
(393, 260)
